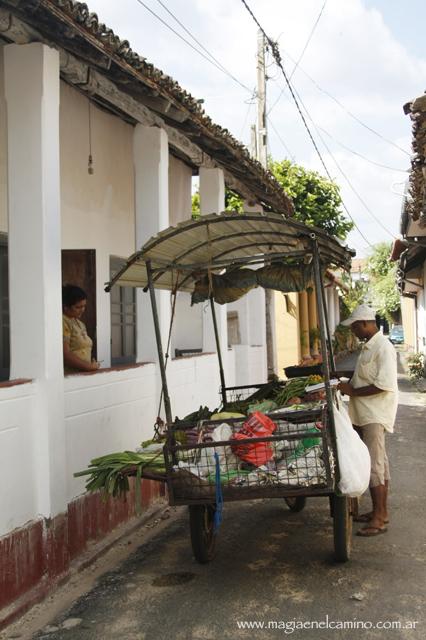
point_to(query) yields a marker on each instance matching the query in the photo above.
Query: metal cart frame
(283, 238)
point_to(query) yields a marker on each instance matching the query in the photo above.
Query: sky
(362, 61)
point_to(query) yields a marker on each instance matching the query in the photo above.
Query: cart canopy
(204, 248)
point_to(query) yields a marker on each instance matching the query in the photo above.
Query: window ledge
(194, 355)
(118, 367)
(14, 383)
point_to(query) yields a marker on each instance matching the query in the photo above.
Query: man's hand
(346, 388)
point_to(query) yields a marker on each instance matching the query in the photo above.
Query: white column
(212, 200)
(151, 163)
(336, 309)
(212, 191)
(330, 309)
(32, 97)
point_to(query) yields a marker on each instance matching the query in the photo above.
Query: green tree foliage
(316, 200)
(233, 202)
(383, 290)
(357, 294)
(196, 204)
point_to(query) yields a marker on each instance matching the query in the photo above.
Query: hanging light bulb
(90, 169)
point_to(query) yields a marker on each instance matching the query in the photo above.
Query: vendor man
(373, 393)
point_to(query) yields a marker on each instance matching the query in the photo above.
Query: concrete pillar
(151, 163)
(313, 320)
(304, 325)
(330, 309)
(336, 309)
(212, 191)
(212, 200)
(32, 99)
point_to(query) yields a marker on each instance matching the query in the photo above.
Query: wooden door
(79, 268)
(4, 310)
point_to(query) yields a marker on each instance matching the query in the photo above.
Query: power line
(296, 64)
(275, 52)
(291, 155)
(277, 56)
(210, 59)
(250, 105)
(308, 40)
(356, 153)
(224, 69)
(378, 221)
(341, 144)
(345, 109)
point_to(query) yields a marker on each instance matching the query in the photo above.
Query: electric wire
(250, 105)
(360, 155)
(341, 144)
(308, 40)
(211, 60)
(344, 108)
(276, 53)
(290, 154)
(367, 208)
(296, 64)
(200, 44)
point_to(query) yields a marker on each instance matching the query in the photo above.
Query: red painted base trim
(37, 556)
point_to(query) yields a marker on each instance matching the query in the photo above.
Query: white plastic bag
(354, 457)
(227, 460)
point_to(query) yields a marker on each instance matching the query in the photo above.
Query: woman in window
(77, 344)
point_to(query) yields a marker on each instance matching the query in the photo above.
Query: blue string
(219, 497)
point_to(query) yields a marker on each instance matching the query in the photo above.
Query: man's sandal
(369, 532)
(365, 517)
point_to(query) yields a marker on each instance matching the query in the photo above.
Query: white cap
(360, 313)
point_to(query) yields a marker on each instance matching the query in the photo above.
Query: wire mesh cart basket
(288, 453)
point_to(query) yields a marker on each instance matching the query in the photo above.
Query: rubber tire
(296, 503)
(203, 538)
(342, 528)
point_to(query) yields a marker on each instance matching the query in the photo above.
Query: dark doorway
(4, 310)
(79, 268)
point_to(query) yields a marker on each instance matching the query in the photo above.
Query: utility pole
(262, 156)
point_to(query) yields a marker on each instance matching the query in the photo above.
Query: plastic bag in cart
(353, 455)
(256, 426)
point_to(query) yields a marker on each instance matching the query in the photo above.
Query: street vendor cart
(287, 453)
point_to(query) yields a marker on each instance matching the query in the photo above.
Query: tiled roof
(415, 205)
(74, 27)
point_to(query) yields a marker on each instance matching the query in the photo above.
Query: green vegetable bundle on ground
(110, 473)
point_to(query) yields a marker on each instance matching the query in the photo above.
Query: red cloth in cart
(257, 426)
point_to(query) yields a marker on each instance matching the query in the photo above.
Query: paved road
(273, 565)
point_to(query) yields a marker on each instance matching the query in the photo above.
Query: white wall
(249, 365)
(18, 474)
(104, 413)
(187, 330)
(193, 381)
(3, 151)
(180, 179)
(112, 410)
(97, 210)
(188, 321)
(421, 316)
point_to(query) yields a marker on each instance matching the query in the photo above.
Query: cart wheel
(203, 537)
(342, 525)
(296, 503)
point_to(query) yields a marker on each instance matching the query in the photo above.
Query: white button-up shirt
(376, 365)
